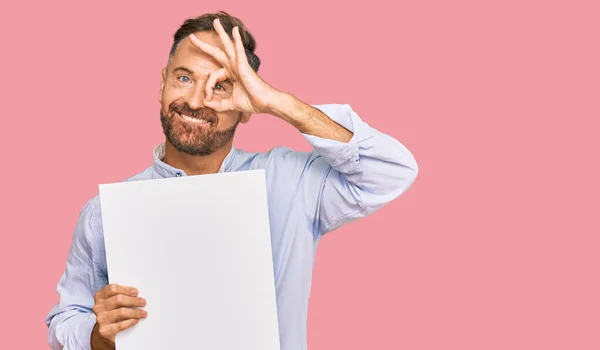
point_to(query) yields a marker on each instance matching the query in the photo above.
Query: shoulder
(280, 159)
(143, 175)
(91, 213)
(283, 165)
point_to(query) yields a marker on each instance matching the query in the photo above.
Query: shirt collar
(165, 170)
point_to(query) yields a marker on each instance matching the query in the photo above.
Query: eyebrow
(187, 70)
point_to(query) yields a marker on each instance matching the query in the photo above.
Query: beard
(195, 139)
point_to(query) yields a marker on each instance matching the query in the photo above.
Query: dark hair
(204, 23)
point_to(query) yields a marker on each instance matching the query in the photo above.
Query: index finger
(214, 52)
(229, 49)
(114, 289)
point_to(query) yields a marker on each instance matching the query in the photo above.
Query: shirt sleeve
(354, 179)
(70, 322)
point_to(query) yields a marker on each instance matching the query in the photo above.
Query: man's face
(188, 125)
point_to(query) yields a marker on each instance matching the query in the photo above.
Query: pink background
(494, 247)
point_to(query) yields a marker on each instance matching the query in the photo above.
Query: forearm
(70, 330)
(71, 321)
(369, 171)
(308, 119)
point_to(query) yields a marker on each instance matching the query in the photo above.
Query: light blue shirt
(309, 194)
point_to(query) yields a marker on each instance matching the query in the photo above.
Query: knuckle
(112, 287)
(100, 319)
(122, 312)
(119, 299)
(96, 309)
(104, 331)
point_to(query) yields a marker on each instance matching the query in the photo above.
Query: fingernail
(134, 291)
(143, 301)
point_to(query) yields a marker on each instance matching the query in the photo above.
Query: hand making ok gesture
(250, 93)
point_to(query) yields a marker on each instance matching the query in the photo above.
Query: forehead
(190, 56)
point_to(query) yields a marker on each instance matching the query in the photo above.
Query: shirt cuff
(344, 157)
(84, 332)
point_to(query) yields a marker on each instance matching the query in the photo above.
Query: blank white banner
(198, 248)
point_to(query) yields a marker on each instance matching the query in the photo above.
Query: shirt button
(178, 174)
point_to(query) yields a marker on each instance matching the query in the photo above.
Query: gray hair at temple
(204, 23)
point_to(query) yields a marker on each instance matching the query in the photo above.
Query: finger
(229, 49)
(120, 314)
(239, 46)
(114, 289)
(214, 52)
(121, 300)
(109, 330)
(220, 105)
(213, 78)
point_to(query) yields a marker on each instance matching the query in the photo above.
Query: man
(209, 85)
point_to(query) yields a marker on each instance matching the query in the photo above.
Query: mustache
(183, 108)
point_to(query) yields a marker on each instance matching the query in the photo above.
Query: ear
(163, 78)
(245, 117)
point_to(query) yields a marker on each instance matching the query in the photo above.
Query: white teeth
(194, 120)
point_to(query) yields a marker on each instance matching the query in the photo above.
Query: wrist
(280, 105)
(286, 107)
(98, 342)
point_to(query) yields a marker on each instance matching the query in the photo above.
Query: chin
(190, 145)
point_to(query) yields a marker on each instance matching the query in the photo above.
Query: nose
(195, 96)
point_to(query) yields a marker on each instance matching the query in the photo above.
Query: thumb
(219, 105)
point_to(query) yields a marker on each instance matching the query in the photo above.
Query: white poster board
(198, 249)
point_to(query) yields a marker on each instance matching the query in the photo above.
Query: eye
(184, 79)
(219, 87)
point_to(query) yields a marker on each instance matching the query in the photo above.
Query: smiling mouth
(198, 121)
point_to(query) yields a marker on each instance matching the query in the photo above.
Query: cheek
(169, 95)
(227, 119)
(221, 95)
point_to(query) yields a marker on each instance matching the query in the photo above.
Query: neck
(196, 165)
